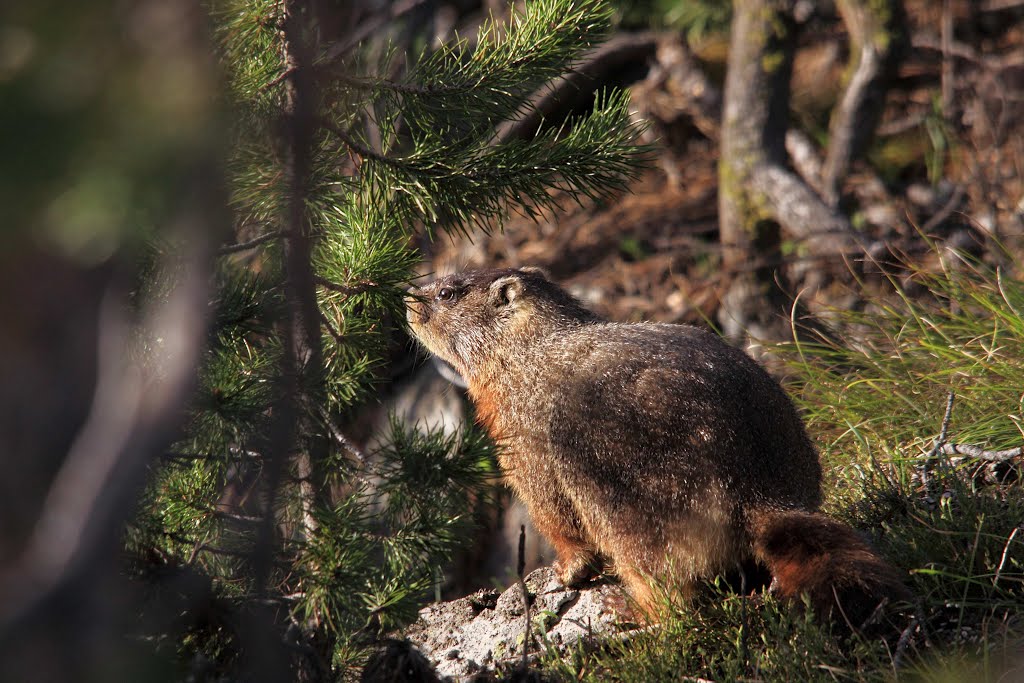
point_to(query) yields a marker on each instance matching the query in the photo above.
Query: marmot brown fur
(658, 447)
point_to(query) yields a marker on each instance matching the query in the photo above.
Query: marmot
(658, 447)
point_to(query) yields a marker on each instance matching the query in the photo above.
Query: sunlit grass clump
(884, 383)
(940, 361)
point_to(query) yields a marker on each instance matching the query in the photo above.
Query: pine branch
(347, 290)
(464, 91)
(362, 150)
(250, 244)
(333, 258)
(448, 184)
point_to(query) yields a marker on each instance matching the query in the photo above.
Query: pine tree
(283, 549)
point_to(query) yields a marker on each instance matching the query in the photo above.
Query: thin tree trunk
(759, 196)
(877, 40)
(293, 437)
(754, 121)
(303, 328)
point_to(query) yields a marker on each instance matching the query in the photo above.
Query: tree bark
(759, 195)
(877, 41)
(754, 121)
(303, 344)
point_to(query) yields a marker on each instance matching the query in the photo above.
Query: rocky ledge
(483, 634)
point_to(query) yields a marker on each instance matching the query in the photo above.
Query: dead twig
(956, 454)
(980, 453)
(520, 567)
(990, 467)
(277, 80)
(940, 441)
(340, 437)
(333, 332)
(362, 150)
(904, 642)
(1002, 560)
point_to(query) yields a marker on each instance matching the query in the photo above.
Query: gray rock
(476, 634)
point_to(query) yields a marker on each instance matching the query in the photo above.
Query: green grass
(961, 330)
(876, 402)
(708, 640)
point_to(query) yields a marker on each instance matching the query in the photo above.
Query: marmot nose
(413, 295)
(416, 309)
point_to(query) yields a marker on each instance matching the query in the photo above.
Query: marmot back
(658, 447)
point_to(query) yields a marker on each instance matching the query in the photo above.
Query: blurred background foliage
(107, 107)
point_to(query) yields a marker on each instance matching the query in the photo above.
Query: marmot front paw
(577, 570)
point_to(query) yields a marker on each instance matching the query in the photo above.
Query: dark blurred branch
(594, 69)
(1000, 5)
(367, 28)
(134, 412)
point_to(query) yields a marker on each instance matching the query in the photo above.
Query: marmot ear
(505, 290)
(536, 270)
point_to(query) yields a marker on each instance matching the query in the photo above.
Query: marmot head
(468, 317)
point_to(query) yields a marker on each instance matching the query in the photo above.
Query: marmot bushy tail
(809, 553)
(657, 447)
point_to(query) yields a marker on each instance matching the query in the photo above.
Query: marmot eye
(446, 294)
